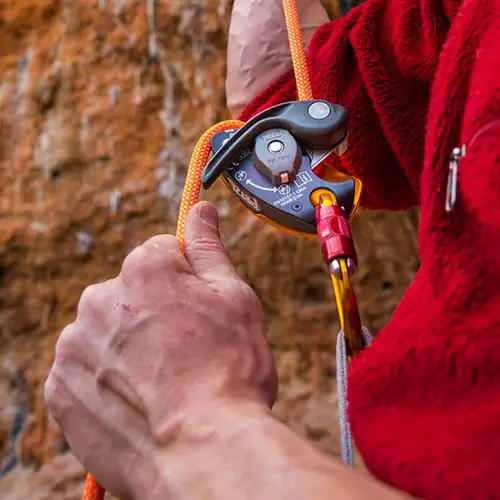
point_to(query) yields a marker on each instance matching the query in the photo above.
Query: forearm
(258, 51)
(249, 454)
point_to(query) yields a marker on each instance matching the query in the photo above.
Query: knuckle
(157, 253)
(90, 298)
(245, 303)
(78, 346)
(88, 293)
(138, 264)
(204, 243)
(247, 294)
(175, 260)
(135, 259)
(50, 392)
(162, 242)
(66, 346)
(52, 397)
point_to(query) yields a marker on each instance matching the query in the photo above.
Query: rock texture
(101, 102)
(61, 479)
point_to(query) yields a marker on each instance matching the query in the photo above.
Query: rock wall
(101, 102)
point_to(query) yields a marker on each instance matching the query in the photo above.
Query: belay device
(270, 162)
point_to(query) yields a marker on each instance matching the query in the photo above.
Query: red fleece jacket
(419, 78)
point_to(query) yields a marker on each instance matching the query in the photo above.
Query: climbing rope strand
(92, 490)
(297, 51)
(191, 192)
(346, 446)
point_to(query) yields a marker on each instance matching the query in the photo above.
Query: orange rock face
(101, 102)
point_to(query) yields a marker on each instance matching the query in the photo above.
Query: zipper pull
(451, 189)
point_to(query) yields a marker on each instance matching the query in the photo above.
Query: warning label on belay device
(247, 198)
(289, 198)
(291, 194)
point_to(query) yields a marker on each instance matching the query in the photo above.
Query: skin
(258, 51)
(163, 385)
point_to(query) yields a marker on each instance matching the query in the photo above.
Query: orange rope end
(92, 490)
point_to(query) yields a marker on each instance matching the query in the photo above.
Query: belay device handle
(314, 124)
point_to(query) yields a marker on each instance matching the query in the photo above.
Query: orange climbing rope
(190, 196)
(199, 159)
(297, 50)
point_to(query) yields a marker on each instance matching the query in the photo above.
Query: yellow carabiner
(348, 311)
(345, 297)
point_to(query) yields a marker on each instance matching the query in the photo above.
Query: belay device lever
(269, 162)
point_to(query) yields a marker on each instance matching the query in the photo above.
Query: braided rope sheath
(198, 161)
(297, 50)
(92, 490)
(346, 443)
(201, 153)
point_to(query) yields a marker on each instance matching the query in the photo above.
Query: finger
(204, 249)
(94, 305)
(157, 257)
(73, 347)
(102, 430)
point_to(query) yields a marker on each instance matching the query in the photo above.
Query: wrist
(243, 452)
(196, 454)
(208, 423)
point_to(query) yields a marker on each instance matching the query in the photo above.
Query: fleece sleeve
(378, 62)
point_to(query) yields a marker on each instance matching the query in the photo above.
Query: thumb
(204, 249)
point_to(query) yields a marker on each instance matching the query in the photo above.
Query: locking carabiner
(340, 255)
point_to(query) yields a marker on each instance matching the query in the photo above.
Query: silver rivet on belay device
(319, 110)
(275, 147)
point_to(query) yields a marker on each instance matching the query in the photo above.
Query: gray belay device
(269, 162)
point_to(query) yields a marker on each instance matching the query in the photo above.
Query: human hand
(159, 352)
